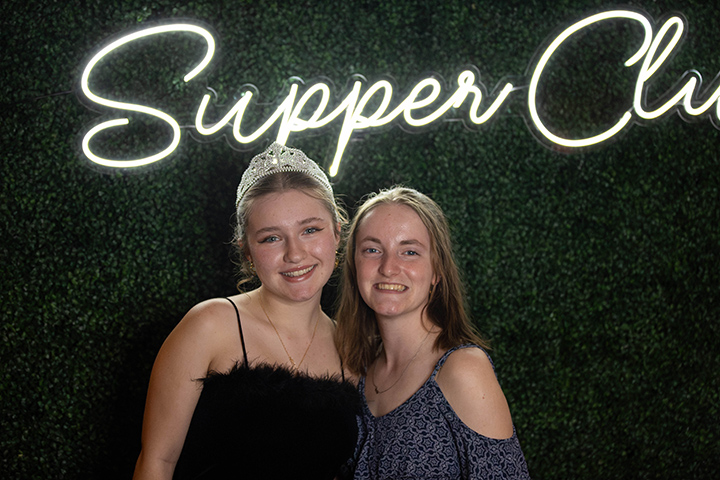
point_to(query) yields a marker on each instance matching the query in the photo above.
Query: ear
(338, 233)
(245, 251)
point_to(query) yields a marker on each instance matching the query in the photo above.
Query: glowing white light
(283, 110)
(354, 120)
(288, 113)
(238, 109)
(412, 104)
(537, 74)
(423, 97)
(347, 126)
(296, 123)
(651, 65)
(493, 107)
(376, 119)
(84, 84)
(687, 101)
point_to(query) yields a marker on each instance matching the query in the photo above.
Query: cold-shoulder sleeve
(489, 458)
(482, 457)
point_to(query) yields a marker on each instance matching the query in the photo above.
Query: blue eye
(310, 230)
(270, 239)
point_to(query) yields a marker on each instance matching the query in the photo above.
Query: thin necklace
(296, 367)
(377, 390)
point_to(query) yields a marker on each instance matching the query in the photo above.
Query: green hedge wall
(595, 275)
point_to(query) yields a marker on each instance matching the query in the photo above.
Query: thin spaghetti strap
(242, 337)
(342, 368)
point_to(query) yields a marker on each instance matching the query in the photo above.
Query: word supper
(655, 50)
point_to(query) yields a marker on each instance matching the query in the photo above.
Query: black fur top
(265, 422)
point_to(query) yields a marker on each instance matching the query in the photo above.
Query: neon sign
(424, 97)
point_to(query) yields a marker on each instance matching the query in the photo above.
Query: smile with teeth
(391, 286)
(298, 273)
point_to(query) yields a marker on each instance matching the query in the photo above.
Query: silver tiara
(279, 158)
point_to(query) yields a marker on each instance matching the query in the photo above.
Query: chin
(385, 312)
(304, 295)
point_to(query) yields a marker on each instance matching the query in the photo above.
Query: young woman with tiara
(252, 386)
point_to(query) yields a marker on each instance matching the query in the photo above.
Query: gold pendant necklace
(377, 390)
(292, 362)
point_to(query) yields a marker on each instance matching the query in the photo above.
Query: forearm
(153, 468)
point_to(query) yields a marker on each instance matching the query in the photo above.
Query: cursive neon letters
(84, 85)
(353, 106)
(537, 74)
(686, 93)
(422, 106)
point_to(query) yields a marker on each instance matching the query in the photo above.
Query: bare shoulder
(468, 381)
(201, 334)
(186, 356)
(211, 309)
(467, 372)
(209, 317)
(467, 363)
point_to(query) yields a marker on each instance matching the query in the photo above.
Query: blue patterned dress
(424, 439)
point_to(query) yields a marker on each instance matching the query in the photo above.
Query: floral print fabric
(424, 439)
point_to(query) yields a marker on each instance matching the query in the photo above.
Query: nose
(389, 266)
(294, 251)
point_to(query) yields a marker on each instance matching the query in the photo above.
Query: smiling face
(291, 240)
(393, 260)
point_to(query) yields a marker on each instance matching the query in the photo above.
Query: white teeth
(388, 286)
(298, 273)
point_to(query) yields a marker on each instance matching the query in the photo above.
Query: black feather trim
(267, 422)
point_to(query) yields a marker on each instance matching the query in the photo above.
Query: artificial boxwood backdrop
(594, 274)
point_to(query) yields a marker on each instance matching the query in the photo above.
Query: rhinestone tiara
(279, 158)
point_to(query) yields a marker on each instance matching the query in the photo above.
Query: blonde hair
(357, 335)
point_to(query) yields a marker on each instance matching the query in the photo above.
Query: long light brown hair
(357, 334)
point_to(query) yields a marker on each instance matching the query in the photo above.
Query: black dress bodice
(267, 422)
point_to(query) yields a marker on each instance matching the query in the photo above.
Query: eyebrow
(300, 223)
(402, 242)
(412, 242)
(368, 239)
(311, 220)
